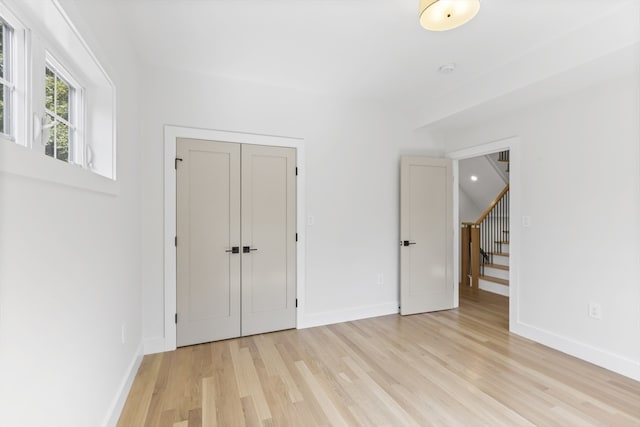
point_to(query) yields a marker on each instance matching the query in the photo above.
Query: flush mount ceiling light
(474, 178)
(442, 15)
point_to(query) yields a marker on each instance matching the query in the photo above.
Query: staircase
(485, 246)
(494, 276)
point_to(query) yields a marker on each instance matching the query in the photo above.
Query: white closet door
(208, 227)
(426, 253)
(268, 239)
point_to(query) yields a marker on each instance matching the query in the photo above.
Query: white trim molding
(115, 410)
(171, 133)
(349, 314)
(605, 359)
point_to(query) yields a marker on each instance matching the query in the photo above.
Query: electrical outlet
(123, 333)
(380, 280)
(526, 221)
(595, 310)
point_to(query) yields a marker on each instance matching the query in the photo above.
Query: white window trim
(19, 67)
(76, 114)
(24, 154)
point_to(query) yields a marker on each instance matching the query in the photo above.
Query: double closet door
(236, 240)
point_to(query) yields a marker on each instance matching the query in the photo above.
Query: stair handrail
(473, 256)
(492, 205)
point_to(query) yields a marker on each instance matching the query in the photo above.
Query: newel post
(465, 255)
(475, 255)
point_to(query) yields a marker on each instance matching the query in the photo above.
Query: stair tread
(502, 241)
(495, 280)
(499, 253)
(498, 266)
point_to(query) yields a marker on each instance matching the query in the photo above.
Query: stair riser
(502, 247)
(500, 260)
(496, 272)
(496, 288)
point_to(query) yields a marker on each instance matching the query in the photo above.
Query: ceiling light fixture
(474, 178)
(442, 15)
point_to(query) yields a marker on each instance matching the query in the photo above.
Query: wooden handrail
(492, 205)
(471, 252)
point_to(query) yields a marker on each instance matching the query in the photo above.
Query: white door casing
(426, 253)
(166, 339)
(236, 257)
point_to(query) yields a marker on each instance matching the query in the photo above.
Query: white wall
(70, 271)
(352, 161)
(488, 186)
(469, 211)
(580, 175)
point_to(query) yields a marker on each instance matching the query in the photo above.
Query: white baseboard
(111, 420)
(605, 359)
(347, 315)
(154, 345)
(495, 288)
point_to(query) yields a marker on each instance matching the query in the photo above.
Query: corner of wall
(348, 315)
(115, 409)
(154, 345)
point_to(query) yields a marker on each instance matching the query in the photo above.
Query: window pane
(62, 99)
(2, 111)
(62, 142)
(2, 34)
(5, 111)
(50, 83)
(49, 149)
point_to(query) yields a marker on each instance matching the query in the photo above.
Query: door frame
(513, 145)
(171, 134)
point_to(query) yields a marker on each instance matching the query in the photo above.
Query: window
(56, 99)
(61, 105)
(6, 80)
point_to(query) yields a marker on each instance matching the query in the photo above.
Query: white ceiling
(366, 49)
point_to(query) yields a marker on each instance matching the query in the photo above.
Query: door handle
(407, 243)
(233, 250)
(247, 249)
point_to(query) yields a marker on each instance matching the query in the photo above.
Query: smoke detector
(447, 68)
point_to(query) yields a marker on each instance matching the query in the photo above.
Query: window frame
(75, 121)
(46, 35)
(17, 68)
(7, 79)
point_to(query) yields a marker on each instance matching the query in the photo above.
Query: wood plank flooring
(451, 368)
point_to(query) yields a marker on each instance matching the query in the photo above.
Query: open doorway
(484, 234)
(484, 221)
(475, 298)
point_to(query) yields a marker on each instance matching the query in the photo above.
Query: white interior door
(208, 227)
(236, 240)
(268, 239)
(426, 253)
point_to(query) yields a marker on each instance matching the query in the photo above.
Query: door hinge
(175, 162)
(296, 302)
(176, 318)
(296, 171)
(296, 237)
(175, 241)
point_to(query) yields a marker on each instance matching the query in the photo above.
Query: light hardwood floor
(458, 368)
